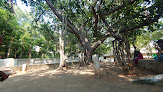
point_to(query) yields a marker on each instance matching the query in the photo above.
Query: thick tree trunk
(123, 57)
(119, 55)
(62, 48)
(81, 37)
(62, 60)
(88, 57)
(116, 53)
(129, 57)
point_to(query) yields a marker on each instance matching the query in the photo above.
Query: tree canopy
(94, 21)
(91, 22)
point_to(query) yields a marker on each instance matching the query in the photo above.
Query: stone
(153, 80)
(151, 65)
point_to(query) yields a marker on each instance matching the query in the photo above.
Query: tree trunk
(62, 47)
(81, 37)
(129, 57)
(133, 43)
(123, 57)
(15, 53)
(114, 53)
(21, 54)
(88, 57)
(119, 54)
(29, 52)
(9, 49)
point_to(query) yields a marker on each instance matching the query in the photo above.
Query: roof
(109, 54)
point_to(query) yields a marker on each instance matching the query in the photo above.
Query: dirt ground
(76, 79)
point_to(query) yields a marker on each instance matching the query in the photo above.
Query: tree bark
(62, 47)
(114, 53)
(30, 52)
(81, 37)
(15, 52)
(119, 55)
(88, 57)
(21, 54)
(9, 49)
(129, 57)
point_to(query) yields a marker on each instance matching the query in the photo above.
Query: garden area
(81, 45)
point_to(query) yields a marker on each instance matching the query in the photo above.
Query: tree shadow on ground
(74, 79)
(116, 70)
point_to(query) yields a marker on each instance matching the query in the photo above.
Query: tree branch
(106, 24)
(111, 31)
(82, 39)
(98, 43)
(82, 26)
(145, 23)
(40, 16)
(75, 30)
(96, 19)
(118, 8)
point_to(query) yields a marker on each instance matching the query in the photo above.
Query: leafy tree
(8, 27)
(7, 4)
(144, 39)
(94, 21)
(104, 48)
(124, 18)
(51, 39)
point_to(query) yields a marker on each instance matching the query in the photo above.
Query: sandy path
(75, 80)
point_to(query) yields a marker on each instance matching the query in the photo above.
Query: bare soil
(78, 79)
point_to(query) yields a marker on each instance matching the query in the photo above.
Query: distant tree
(155, 33)
(8, 27)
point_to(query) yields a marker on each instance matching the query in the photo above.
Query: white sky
(23, 6)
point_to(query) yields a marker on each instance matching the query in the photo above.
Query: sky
(23, 6)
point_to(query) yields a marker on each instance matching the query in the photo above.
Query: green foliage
(132, 16)
(8, 27)
(72, 46)
(5, 5)
(103, 49)
(150, 36)
(7, 21)
(128, 22)
(50, 41)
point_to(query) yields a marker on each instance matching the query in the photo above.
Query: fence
(10, 62)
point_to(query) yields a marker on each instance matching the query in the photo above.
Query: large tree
(126, 20)
(95, 20)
